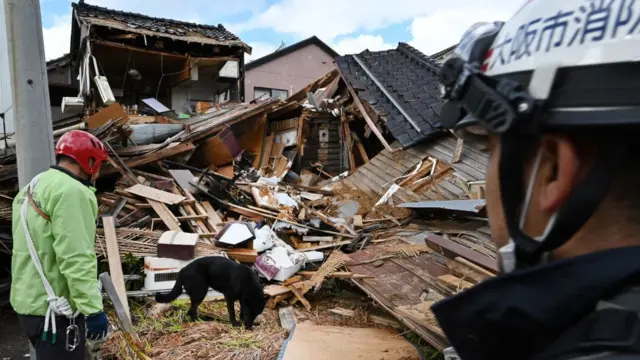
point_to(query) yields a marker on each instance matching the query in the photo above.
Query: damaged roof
(401, 85)
(444, 52)
(143, 24)
(451, 180)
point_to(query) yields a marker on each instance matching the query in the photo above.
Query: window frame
(270, 90)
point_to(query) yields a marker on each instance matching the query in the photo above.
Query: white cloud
(259, 49)
(331, 18)
(354, 45)
(444, 28)
(57, 37)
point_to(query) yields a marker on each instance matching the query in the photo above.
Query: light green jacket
(65, 246)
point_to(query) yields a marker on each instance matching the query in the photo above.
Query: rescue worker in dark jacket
(555, 91)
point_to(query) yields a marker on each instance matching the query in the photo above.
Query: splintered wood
(336, 260)
(422, 314)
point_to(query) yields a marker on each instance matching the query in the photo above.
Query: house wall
(5, 80)
(61, 75)
(290, 72)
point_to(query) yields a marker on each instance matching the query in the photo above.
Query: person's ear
(558, 172)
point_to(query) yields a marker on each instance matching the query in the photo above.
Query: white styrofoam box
(314, 256)
(72, 105)
(161, 273)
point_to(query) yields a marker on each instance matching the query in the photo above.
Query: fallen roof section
(143, 24)
(401, 86)
(448, 180)
(407, 286)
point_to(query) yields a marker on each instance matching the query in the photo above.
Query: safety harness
(58, 306)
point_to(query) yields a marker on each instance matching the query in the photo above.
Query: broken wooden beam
(151, 157)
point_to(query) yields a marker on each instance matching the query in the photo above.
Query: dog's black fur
(235, 281)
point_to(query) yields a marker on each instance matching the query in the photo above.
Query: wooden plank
(379, 320)
(357, 221)
(300, 296)
(180, 177)
(457, 153)
(387, 158)
(422, 314)
(328, 246)
(151, 157)
(185, 218)
(155, 194)
(136, 150)
(332, 342)
(266, 151)
(166, 215)
(275, 290)
(455, 283)
(365, 115)
(379, 165)
(474, 266)
(214, 218)
(463, 251)
(242, 255)
(348, 142)
(115, 266)
(337, 274)
(112, 112)
(361, 150)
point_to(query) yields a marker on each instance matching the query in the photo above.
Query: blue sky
(349, 26)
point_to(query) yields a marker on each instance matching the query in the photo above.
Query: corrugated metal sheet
(383, 170)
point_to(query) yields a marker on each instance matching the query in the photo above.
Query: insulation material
(281, 262)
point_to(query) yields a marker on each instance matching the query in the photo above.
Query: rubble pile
(299, 190)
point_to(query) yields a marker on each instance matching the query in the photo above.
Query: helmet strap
(523, 250)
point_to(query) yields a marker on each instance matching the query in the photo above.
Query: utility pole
(30, 88)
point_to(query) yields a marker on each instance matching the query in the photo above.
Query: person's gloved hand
(97, 326)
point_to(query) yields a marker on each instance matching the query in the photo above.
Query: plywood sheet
(155, 194)
(316, 342)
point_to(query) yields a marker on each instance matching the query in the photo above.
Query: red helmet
(82, 147)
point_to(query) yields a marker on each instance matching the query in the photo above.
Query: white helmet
(555, 64)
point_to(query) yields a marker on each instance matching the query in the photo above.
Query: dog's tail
(175, 292)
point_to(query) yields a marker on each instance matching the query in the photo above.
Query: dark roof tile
(411, 79)
(168, 27)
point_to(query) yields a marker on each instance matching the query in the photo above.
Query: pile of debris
(299, 190)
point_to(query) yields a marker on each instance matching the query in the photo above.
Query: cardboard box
(177, 245)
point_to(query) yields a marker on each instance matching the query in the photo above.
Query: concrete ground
(13, 344)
